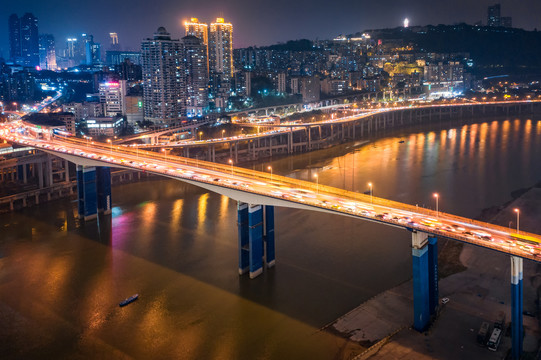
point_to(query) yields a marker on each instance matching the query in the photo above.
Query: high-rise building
(493, 15)
(115, 45)
(163, 63)
(14, 38)
(195, 76)
(281, 83)
(220, 58)
(199, 30)
(29, 40)
(47, 53)
(112, 96)
(24, 40)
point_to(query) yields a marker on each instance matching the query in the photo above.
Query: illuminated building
(114, 45)
(24, 39)
(14, 38)
(195, 76)
(105, 126)
(162, 61)
(199, 30)
(47, 53)
(112, 96)
(310, 88)
(84, 110)
(494, 15)
(220, 60)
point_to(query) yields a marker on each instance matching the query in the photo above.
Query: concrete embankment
(478, 286)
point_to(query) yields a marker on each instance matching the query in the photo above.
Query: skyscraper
(493, 15)
(23, 39)
(14, 38)
(47, 53)
(115, 46)
(220, 60)
(29, 40)
(112, 96)
(195, 76)
(199, 30)
(162, 62)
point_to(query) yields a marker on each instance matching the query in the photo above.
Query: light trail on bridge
(242, 184)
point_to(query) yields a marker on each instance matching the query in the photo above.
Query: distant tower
(221, 60)
(47, 52)
(114, 41)
(29, 40)
(163, 90)
(14, 38)
(493, 18)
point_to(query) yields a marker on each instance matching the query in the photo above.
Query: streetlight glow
(270, 169)
(518, 219)
(371, 194)
(200, 133)
(231, 162)
(437, 196)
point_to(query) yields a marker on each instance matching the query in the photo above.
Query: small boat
(401, 141)
(128, 300)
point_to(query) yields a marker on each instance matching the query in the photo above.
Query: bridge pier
(517, 333)
(86, 190)
(256, 238)
(103, 186)
(425, 279)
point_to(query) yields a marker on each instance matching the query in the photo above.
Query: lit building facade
(493, 18)
(195, 77)
(162, 62)
(112, 96)
(47, 52)
(220, 59)
(24, 40)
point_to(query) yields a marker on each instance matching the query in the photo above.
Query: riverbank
(477, 294)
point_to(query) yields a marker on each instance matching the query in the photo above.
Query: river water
(176, 245)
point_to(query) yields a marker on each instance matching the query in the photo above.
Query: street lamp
(223, 132)
(200, 133)
(437, 196)
(270, 169)
(231, 162)
(164, 154)
(317, 183)
(518, 218)
(371, 193)
(110, 142)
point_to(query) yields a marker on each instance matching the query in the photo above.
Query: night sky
(255, 22)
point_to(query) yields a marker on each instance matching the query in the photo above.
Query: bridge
(258, 192)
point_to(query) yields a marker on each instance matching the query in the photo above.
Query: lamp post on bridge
(437, 196)
(518, 219)
(371, 193)
(270, 168)
(110, 142)
(231, 162)
(317, 183)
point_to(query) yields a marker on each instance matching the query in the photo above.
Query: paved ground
(476, 295)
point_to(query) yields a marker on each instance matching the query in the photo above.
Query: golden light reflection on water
(176, 215)
(202, 209)
(224, 204)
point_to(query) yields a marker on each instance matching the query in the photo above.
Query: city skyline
(255, 24)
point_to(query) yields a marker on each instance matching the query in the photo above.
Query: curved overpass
(267, 189)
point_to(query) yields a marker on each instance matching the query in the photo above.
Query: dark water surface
(176, 245)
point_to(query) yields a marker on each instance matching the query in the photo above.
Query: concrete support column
(66, 171)
(421, 309)
(49, 173)
(86, 190)
(25, 175)
(270, 254)
(517, 334)
(40, 175)
(244, 249)
(255, 239)
(103, 186)
(433, 293)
